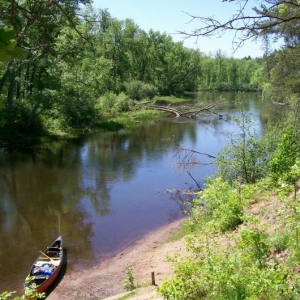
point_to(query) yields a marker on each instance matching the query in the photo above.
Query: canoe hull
(47, 266)
(46, 285)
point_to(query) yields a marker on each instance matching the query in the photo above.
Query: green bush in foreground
(128, 282)
(251, 262)
(30, 292)
(219, 206)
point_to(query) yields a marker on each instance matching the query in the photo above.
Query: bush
(138, 90)
(245, 156)
(123, 103)
(284, 158)
(242, 268)
(219, 207)
(77, 111)
(111, 103)
(128, 283)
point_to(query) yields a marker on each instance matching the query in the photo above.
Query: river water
(104, 191)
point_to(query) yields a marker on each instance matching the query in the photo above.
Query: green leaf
(8, 47)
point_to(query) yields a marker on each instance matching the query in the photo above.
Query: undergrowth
(235, 251)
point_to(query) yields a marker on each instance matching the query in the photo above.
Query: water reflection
(107, 189)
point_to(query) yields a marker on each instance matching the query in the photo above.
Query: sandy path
(105, 280)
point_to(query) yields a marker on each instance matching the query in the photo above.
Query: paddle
(52, 260)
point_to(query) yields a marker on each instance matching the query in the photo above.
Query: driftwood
(165, 108)
(186, 192)
(194, 112)
(280, 103)
(187, 113)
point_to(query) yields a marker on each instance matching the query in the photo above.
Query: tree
(227, 74)
(245, 158)
(27, 84)
(271, 18)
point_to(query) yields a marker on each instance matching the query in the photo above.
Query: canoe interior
(47, 266)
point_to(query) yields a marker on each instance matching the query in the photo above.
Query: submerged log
(186, 192)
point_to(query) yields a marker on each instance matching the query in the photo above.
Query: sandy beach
(106, 280)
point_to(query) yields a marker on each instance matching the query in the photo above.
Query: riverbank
(105, 280)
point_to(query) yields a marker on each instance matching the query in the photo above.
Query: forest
(65, 65)
(78, 66)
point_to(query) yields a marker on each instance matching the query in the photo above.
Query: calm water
(104, 191)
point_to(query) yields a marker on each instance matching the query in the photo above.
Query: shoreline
(146, 255)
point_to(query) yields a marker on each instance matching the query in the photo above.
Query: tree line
(65, 64)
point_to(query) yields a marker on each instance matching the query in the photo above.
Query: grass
(180, 233)
(135, 118)
(172, 99)
(138, 292)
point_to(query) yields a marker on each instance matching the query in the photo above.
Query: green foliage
(216, 271)
(128, 282)
(283, 75)
(284, 164)
(8, 47)
(219, 207)
(30, 289)
(107, 101)
(247, 264)
(71, 63)
(292, 219)
(111, 104)
(123, 103)
(280, 241)
(27, 112)
(30, 292)
(7, 295)
(134, 118)
(138, 90)
(227, 74)
(246, 156)
(79, 112)
(254, 243)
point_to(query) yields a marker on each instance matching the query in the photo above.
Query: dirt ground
(105, 280)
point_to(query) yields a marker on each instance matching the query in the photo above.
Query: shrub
(245, 156)
(107, 101)
(138, 90)
(244, 270)
(123, 103)
(219, 205)
(285, 156)
(111, 104)
(128, 283)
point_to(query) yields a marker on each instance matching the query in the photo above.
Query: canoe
(47, 266)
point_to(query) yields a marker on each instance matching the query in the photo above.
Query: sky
(171, 16)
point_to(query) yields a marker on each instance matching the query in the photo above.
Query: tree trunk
(10, 93)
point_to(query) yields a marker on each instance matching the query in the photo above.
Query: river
(102, 192)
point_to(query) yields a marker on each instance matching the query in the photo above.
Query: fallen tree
(167, 109)
(186, 111)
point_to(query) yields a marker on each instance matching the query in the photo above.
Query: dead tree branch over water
(188, 159)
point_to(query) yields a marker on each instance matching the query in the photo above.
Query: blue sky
(170, 16)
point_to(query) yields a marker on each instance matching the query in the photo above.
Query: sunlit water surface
(105, 191)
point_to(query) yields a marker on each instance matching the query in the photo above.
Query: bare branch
(188, 158)
(266, 19)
